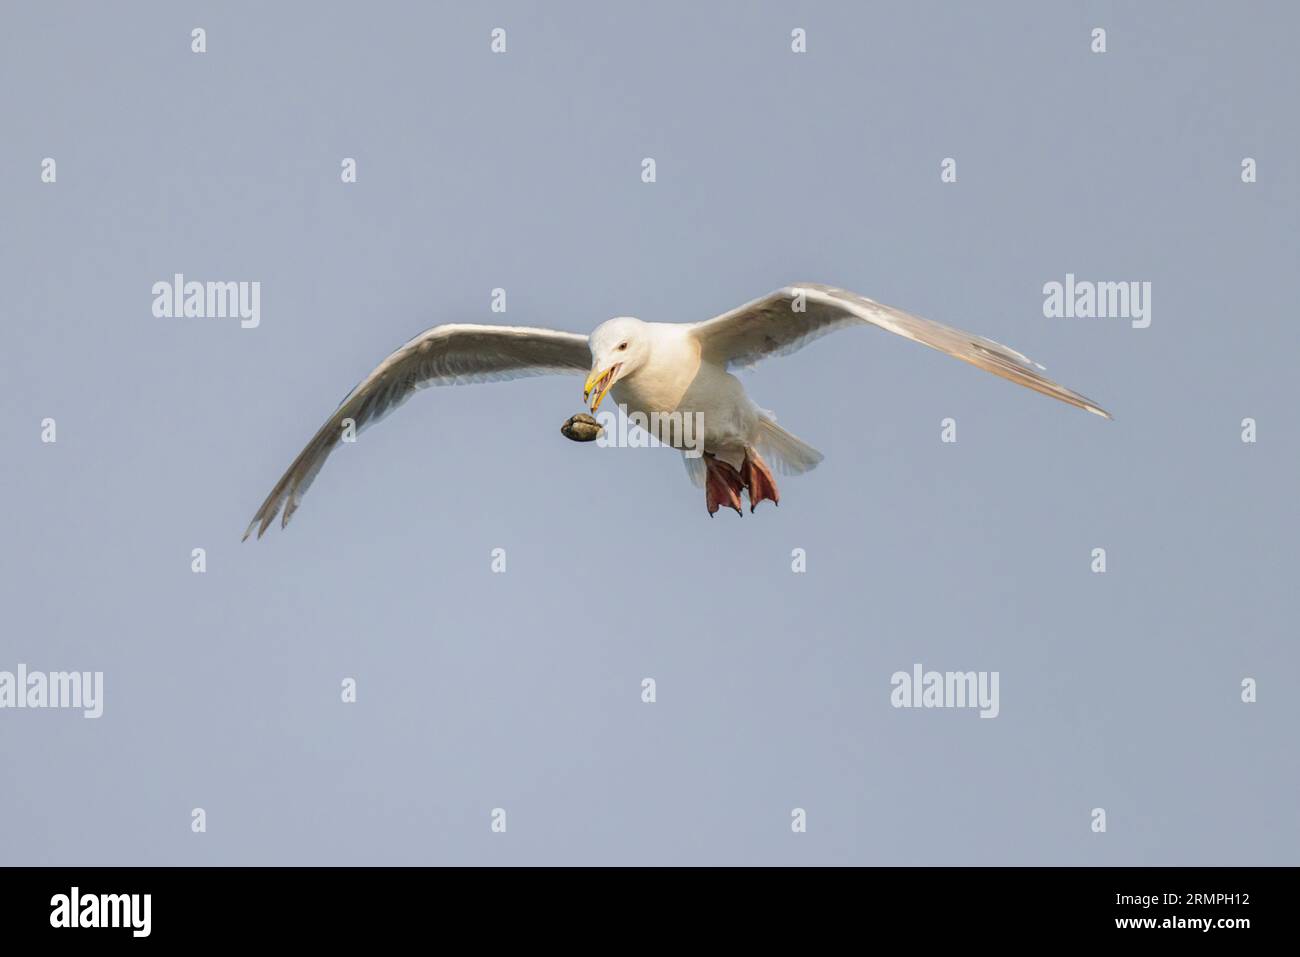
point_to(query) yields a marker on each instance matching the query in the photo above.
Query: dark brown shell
(581, 428)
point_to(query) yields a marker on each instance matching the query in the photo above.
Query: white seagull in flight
(657, 369)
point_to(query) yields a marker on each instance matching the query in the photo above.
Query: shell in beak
(598, 384)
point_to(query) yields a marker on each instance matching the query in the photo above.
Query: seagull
(656, 369)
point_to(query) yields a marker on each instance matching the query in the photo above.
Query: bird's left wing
(789, 318)
(443, 355)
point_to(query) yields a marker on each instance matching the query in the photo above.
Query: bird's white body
(673, 377)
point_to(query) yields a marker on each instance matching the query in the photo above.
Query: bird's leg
(758, 479)
(722, 484)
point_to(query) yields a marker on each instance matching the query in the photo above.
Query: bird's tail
(789, 454)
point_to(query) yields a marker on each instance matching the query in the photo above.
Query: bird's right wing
(789, 318)
(443, 355)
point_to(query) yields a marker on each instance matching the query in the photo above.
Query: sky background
(523, 690)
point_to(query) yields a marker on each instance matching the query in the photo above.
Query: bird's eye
(622, 347)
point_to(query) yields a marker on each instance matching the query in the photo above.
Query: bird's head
(618, 348)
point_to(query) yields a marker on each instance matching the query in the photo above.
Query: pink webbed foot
(722, 485)
(758, 479)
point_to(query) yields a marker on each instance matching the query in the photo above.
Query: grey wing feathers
(444, 355)
(791, 317)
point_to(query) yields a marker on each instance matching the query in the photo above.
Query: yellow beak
(599, 383)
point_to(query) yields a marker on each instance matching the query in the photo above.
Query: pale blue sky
(522, 690)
